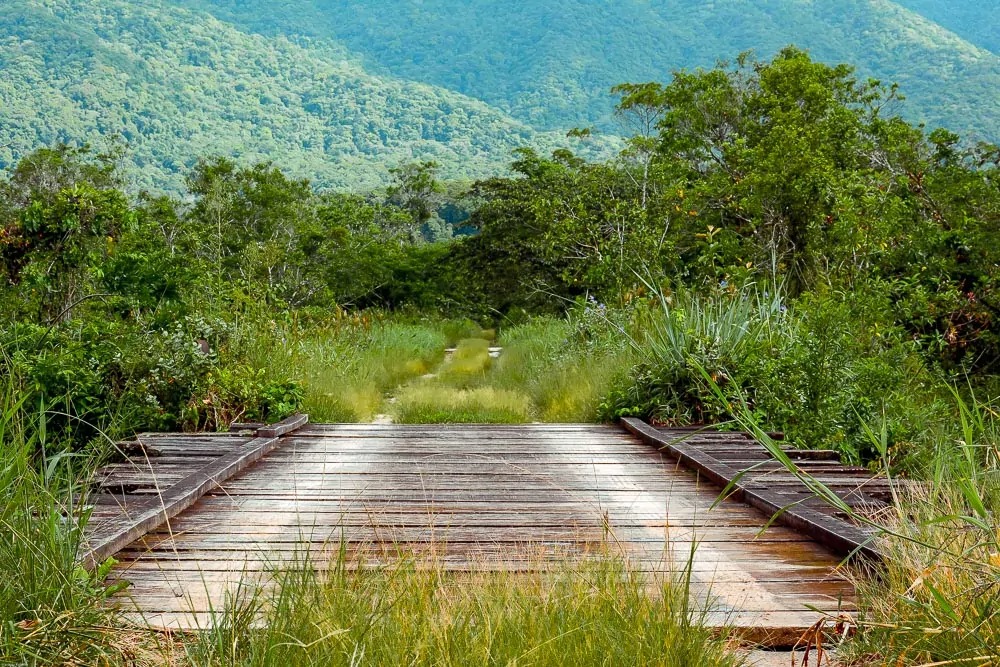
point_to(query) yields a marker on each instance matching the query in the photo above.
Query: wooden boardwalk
(468, 498)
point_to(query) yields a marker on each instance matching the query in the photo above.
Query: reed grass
(433, 403)
(596, 613)
(934, 599)
(937, 598)
(52, 611)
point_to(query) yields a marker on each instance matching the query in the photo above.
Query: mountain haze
(552, 62)
(178, 84)
(341, 90)
(977, 21)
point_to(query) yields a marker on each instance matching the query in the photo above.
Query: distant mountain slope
(551, 62)
(179, 85)
(978, 21)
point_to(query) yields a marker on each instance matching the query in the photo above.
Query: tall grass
(934, 599)
(52, 611)
(593, 614)
(938, 597)
(432, 403)
(468, 364)
(347, 376)
(564, 373)
(346, 368)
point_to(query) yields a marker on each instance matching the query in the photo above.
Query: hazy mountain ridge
(178, 85)
(551, 62)
(978, 21)
(341, 90)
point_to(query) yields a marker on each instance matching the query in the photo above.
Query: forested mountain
(339, 91)
(978, 21)
(177, 85)
(551, 62)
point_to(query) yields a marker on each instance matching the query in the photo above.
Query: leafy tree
(63, 217)
(416, 189)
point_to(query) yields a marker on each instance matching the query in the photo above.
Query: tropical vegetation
(773, 249)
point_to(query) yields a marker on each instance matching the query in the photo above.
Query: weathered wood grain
(479, 499)
(766, 486)
(176, 486)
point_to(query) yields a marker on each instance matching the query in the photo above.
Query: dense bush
(818, 369)
(108, 379)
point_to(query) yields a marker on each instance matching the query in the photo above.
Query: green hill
(179, 85)
(975, 20)
(341, 90)
(551, 62)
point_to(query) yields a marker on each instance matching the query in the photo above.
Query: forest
(511, 57)
(337, 91)
(766, 219)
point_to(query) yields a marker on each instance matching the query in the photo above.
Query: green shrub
(816, 369)
(684, 337)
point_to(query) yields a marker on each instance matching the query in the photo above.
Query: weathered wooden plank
(178, 498)
(841, 536)
(283, 427)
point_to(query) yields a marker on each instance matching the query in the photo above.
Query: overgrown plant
(934, 598)
(596, 613)
(683, 332)
(52, 611)
(938, 597)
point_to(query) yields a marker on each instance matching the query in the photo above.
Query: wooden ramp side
(475, 498)
(736, 461)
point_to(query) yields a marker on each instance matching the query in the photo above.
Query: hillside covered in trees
(552, 63)
(976, 22)
(339, 90)
(176, 84)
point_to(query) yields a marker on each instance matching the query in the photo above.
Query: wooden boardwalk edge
(843, 538)
(190, 489)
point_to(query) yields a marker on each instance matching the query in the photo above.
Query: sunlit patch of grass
(341, 403)
(347, 371)
(596, 613)
(468, 364)
(432, 403)
(573, 393)
(565, 378)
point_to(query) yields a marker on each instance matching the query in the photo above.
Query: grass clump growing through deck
(594, 614)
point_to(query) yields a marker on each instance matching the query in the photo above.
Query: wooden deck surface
(475, 498)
